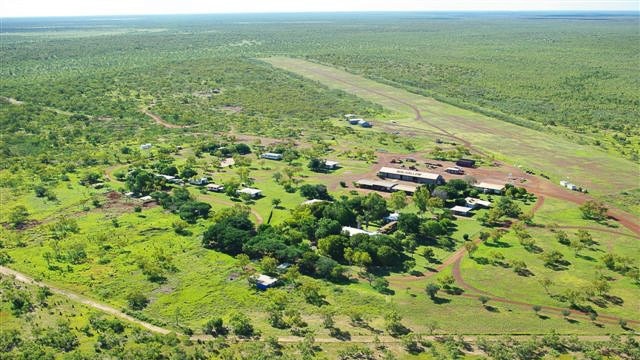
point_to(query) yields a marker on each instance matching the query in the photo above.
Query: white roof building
(330, 164)
(461, 210)
(313, 201)
(489, 187)
(254, 193)
(215, 187)
(474, 203)
(354, 231)
(410, 175)
(271, 156)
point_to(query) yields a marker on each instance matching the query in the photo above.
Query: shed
(313, 201)
(461, 210)
(199, 182)
(146, 146)
(409, 189)
(454, 170)
(146, 199)
(379, 185)
(466, 163)
(364, 124)
(392, 217)
(263, 282)
(354, 121)
(349, 116)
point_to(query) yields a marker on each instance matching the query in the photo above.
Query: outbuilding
(199, 182)
(466, 163)
(454, 170)
(331, 165)
(410, 175)
(407, 188)
(378, 185)
(263, 282)
(215, 187)
(271, 156)
(146, 146)
(476, 203)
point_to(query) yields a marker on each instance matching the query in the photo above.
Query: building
(199, 182)
(410, 175)
(215, 187)
(253, 193)
(271, 156)
(170, 179)
(146, 199)
(355, 121)
(489, 187)
(263, 282)
(145, 146)
(349, 116)
(392, 217)
(461, 210)
(331, 165)
(466, 163)
(454, 170)
(568, 185)
(476, 203)
(364, 123)
(409, 189)
(354, 231)
(313, 201)
(378, 185)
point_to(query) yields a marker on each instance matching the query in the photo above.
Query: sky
(27, 8)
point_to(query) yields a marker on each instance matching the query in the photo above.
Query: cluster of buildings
(569, 185)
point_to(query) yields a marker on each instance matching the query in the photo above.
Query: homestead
(490, 187)
(271, 156)
(253, 193)
(410, 175)
(263, 282)
(461, 210)
(199, 182)
(215, 187)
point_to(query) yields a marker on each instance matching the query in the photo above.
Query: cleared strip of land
(556, 156)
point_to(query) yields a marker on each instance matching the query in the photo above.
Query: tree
(562, 237)
(137, 300)
(471, 247)
(374, 206)
(432, 290)
(192, 210)
(311, 292)
(546, 283)
(276, 202)
(241, 325)
(398, 200)
(484, 300)
(594, 210)
(420, 198)
(380, 284)
(268, 265)
(536, 309)
(585, 237)
(229, 234)
(214, 327)
(18, 216)
(393, 324)
(316, 165)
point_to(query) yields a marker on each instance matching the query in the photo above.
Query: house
(271, 156)
(170, 179)
(364, 123)
(145, 146)
(331, 165)
(282, 267)
(129, 194)
(215, 187)
(489, 187)
(354, 231)
(263, 282)
(349, 116)
(253, 193)
(476, 203)
(461, 210)
(409, 189)
(454, 170)
(466, 163)
(378, 185)
(199, 182)
(410, 175)
(392, 217)
(355, 121)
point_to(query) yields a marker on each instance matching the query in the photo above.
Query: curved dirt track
(164, 123)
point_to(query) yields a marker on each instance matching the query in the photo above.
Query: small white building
(349, 116)
(476, 203)
(364, 123)
(454, 170)
(253, 193)
(146, 199)
(331, 165)
(461, 210)
(146, 146)
(313, 201)
(215, 187)
(355, 121)
(392, 217)
(355, 231)
(263, 282)
(271, 156)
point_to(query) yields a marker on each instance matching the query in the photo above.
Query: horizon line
(570, 11)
